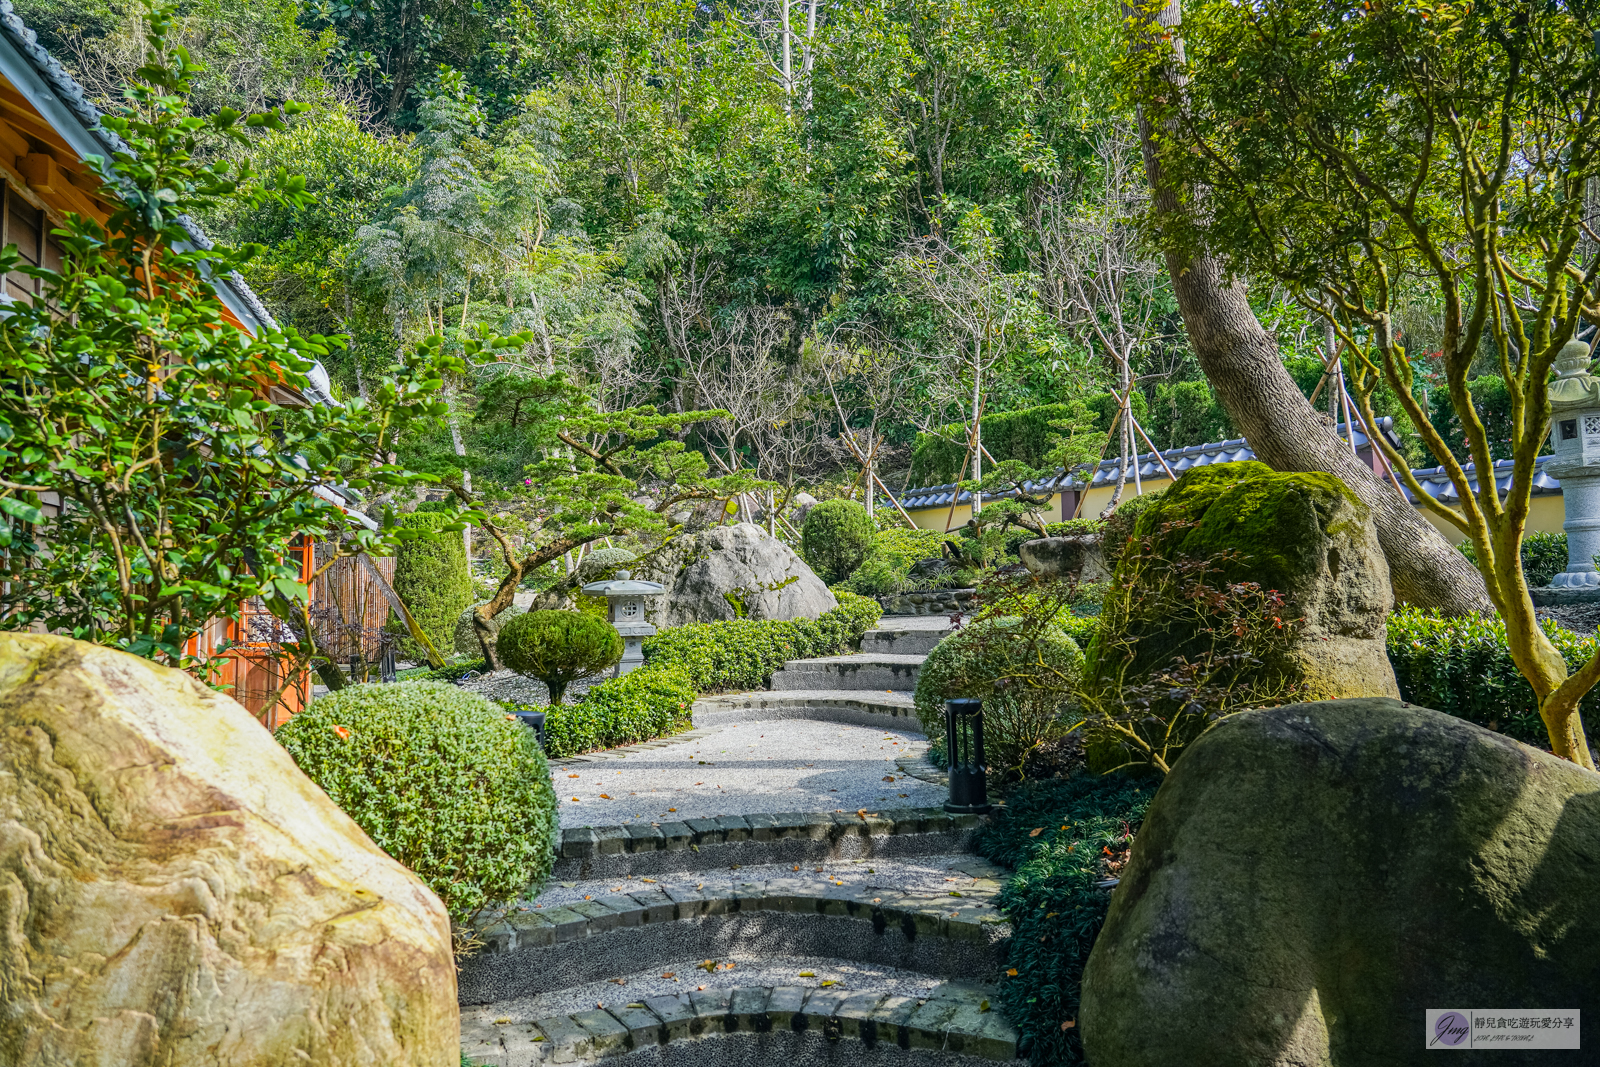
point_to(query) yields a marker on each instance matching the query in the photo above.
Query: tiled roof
(66, 89)
(1437, 483)
(1433, 479)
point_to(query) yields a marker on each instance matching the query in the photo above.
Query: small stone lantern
(625, 603)
(1575, 435)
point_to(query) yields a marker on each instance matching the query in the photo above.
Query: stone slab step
(755, 1024)
(893, 709)
(537, 950)
(874, 671)
(747, 840)
(902, 642)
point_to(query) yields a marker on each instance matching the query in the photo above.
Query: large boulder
(730, 572)
(1304, 535)
(1311, 879)
(175, 891)
(1073, 556)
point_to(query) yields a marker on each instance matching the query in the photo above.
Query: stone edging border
(957, 1022)
(972, 919)
(586, 842)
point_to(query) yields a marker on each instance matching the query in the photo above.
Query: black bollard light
(533, 720)
(963, 740)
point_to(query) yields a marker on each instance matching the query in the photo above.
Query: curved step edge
(781, 837)
(885, 709)
(958, 1023)
(533, 951)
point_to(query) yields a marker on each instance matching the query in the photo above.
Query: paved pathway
(742, 768)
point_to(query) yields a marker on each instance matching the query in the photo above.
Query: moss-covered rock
(1302, 534)
(1312, 878)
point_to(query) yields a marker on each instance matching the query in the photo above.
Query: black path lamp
(963, 745)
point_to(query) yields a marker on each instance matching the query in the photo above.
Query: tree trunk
(1242, 363)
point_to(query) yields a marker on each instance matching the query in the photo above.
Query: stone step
(754, 1025)
(746, 840)
(536, 950)
(874, 671)
(860, 707)
(907, 642)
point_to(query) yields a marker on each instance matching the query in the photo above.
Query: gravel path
(683, 976)
(779, 765)
(971, 876)
(509, 685)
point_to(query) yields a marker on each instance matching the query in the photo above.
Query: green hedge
(1053, 900)
(1025, 435)
(441, 780)
(1544, 555)
(650, 702)
(743, 653)
(1463, 666)
(431, 577)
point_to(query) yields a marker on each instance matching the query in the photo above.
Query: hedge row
(1055, 833)
(650, 702)
(743, 653)
(1463, 666)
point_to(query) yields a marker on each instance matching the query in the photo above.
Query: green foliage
(131, 398)
(743, 653)
(652, 701)
(466, 636)
(443, 781)
(558, 647)
(1187, 413)
(1544, 555)
(887, 567)
(1462, 666)
(1024, 676)
(836, 537)
(1029, 436)
(1055, 834)
(432, 579)
(1117, 529)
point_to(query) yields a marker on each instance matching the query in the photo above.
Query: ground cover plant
(1061, 838)
(442, 780)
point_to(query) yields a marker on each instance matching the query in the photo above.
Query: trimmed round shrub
(836, 537)
(558, 647)
(440, 779)
(466, 637)
(1023, 677)
(431, 576)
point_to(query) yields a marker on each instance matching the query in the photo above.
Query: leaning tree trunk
(1242, 363)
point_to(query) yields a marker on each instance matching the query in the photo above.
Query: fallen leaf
(796, 867)
(708, 966)
(605, 796)
(808, 974)
(503, 1020)
(819, 870)
(983, 1005)
(575, 800)
(538, 1037)
(699, 988)
(572, 776)
(826, 982)
(1012, 971)
(888, 777)
(905, 794)
(587, 897)
(619, 981)
(672, 809)
(1052, 914)
(635, 1004)
(652, 881)
(1036, 831)
(954, 893)
(1069, 1024)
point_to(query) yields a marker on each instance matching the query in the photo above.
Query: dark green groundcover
(1053, 898)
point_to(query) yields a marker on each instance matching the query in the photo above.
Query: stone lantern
(1575, 434)
(625, 610)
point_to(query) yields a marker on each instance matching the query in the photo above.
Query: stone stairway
(872, 687)
(811, 937)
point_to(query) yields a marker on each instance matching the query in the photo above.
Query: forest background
(841, 226)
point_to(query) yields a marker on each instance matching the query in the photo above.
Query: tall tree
(1241, 360)
(1440, 151)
